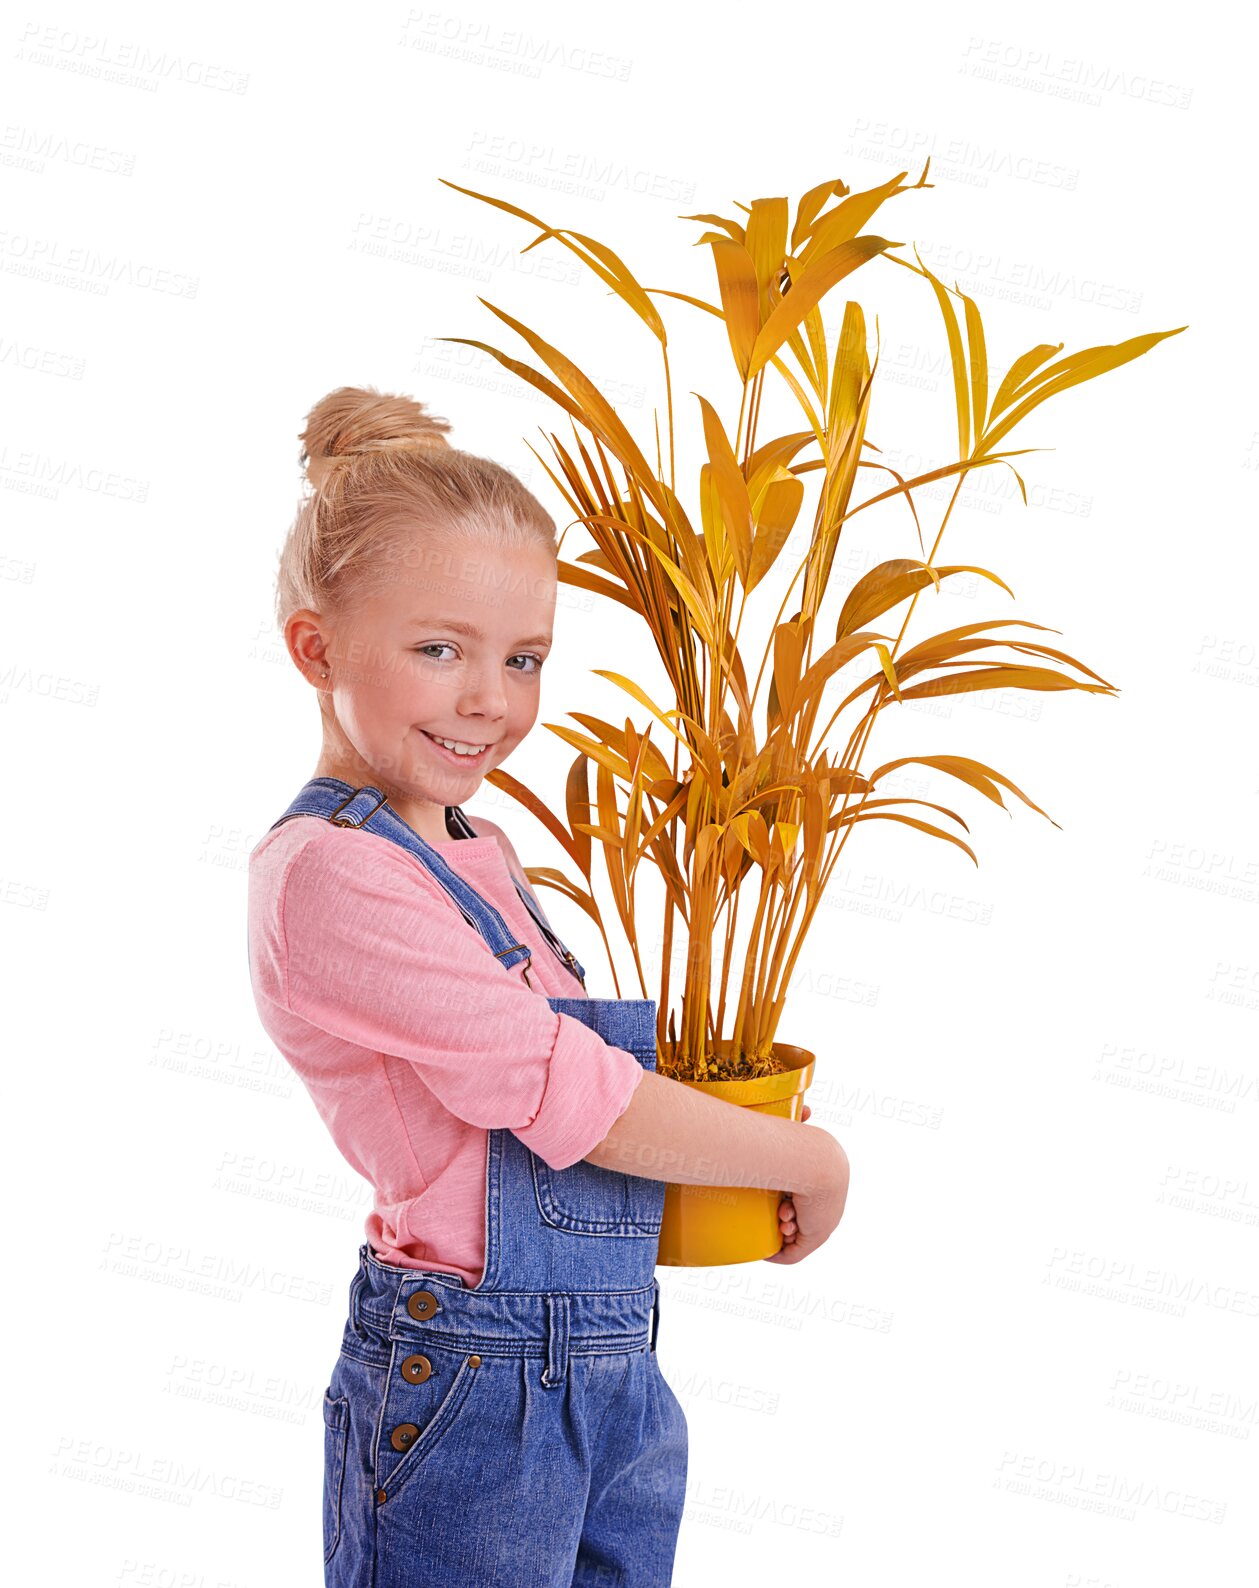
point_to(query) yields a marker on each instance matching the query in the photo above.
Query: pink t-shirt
(412, 1039)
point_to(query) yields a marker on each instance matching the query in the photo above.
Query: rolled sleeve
(589, 1086)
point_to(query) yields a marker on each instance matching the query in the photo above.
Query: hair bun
(356, 419)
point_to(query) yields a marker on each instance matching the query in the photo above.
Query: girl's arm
(673, 1132)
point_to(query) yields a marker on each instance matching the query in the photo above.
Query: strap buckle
(342, 821)
(348, 821)
(528, 958)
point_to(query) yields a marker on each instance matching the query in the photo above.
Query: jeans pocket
(584, 1199)
(336, 1419)
(428, 1387)
(587, 1200)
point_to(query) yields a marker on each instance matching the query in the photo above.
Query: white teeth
(458, 746)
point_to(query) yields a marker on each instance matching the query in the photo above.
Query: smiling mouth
(448, 750)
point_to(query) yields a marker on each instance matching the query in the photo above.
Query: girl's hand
(787, 1228)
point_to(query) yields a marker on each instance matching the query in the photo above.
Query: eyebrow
(470, 629)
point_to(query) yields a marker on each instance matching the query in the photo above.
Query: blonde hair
(380, 468)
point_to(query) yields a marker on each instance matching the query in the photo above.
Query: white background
(1028, 1354)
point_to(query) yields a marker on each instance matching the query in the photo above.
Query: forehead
(474, 589)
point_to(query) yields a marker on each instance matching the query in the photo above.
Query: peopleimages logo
(207, 1273)
(1159, 1288)
(1043, 71)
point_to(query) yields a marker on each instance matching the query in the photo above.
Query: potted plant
(715, 786)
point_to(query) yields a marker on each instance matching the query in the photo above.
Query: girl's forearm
(673, 1132)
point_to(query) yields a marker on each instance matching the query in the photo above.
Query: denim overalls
(519, 1434)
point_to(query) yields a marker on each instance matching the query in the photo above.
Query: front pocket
(336, 1419)
(587, 1200)
(420, 1415)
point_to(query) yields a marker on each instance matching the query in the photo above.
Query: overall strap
(558, 948)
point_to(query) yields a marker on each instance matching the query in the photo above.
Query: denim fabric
(520, 1433)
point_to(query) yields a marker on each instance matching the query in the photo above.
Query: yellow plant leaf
(949, 469)
(809, 206)
(569, 573)
(731, 228)
(775, 511)
(687, 297)
(1000, 676)
(852, 384)
(652, 537)
(889, 667)
(731, 487)
(803, 351)
(577, 807)
(966, 770)
(978, 351)
(831, 660)
(961, 385)
(546, 876)
(931, 653)
(848, 217)
(595, 411)
(499, 779)
(740, 299)
(705, 619)
(615, 738)
(893, 582)
(753, 834)
(772, 455)
(902, 799)
(912, 821)
(673, 804)
(1018, 372)
(766, 240)
(817, 347)
(599, 559)
(605, 264)
(613, 850)
(705, 743)
(948, 635)
(605, 835)
(783, 840)
(706, 839)
(801, 396)
(849, 380)
(713, 521)
(1073, 371)
(621, 279)
(599, 753)
(814, 823)
(788, 654)
(548, 388)
(817, 280)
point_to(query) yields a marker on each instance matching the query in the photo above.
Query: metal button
(416, 1369)
(380, 1496)
(474, 1361)
(422, 1304)
(404, 1436)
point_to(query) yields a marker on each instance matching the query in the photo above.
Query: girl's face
(449, 644)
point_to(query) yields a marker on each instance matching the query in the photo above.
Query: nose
(483, 697)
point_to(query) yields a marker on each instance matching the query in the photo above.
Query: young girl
(496, 1414)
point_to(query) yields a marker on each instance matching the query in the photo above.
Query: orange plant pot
(704, 1226)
